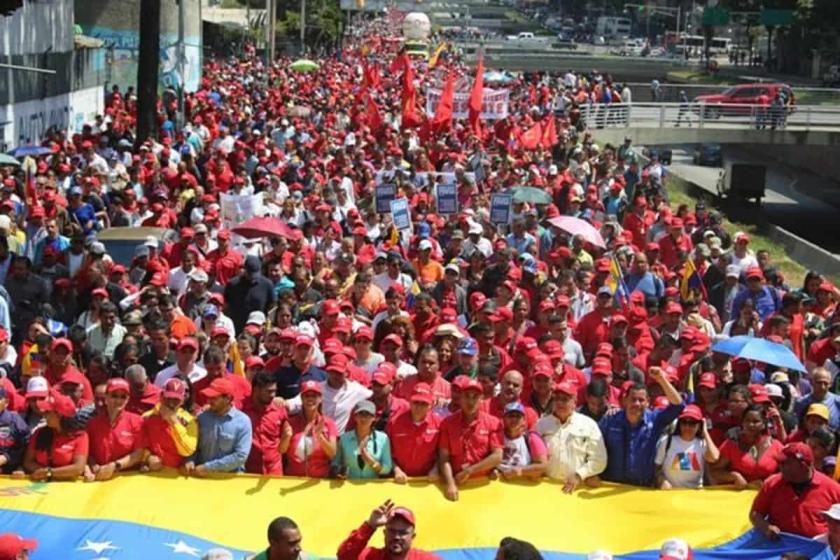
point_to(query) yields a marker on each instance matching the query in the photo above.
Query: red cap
(175, 388)
(692, 412)
(254, 361)
(11, 545)
(344, 325)
(330, 307)
(471, 385)
(754, 272)
(547, 305)
(332, 346)
(381, 376)
(61, 343)
(99, 292)
(58, 403)
(219, 331)
(604, 350)
(526, 344)
(601, 366)
(4, 335)
(304, 340)
(543, 369)
(602, 265)
(223, 234)
(220, 386)
(759, 393)
(310, 387)
(394, 339)
(116, 384)
(708, 379)
(405, 513)
(423, 393)
(566, 388)
(187, 342)
(364, 333)
(673, 307)
(618, 319)
(799, 450)
(338, 364)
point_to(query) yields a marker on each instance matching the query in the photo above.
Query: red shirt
(111, 442)
(592, 330)
(355, 547)
(140, 404)
(469, 442)
(65, 446)
(17, 402)
(315, 464)
(54, 377)
(414, 446)
(157, 434)
(670, 248)
(497, 409)
(440, 387)
(243, 390)
(744, 463)
(795, 513)
(225, 265)
(267, 430)
(820, 351)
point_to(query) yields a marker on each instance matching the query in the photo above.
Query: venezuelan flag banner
(691, 281)
(166, 516)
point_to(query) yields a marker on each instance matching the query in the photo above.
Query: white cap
(37, 387)
(256, 318)
(198, 275)
(476, 229)
(424, 245)
(774, 390)
(599, 555)
(5, 222)
(151, 242)
(733, 270)
(675, 549)
(833, 512)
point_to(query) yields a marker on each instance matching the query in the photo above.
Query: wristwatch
(49, 473)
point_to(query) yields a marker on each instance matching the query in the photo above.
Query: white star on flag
(181, 547)
(97, 547)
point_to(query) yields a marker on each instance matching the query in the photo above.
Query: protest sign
(400, 213)
(447, 198)
(500, 208)
(385, 193)
(494, 103)
(236, 208)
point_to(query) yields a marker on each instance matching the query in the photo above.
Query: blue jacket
(767, 301)
(631, 450)
(14, 435)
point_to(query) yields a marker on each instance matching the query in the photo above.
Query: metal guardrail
(671, 92)
(701, 115)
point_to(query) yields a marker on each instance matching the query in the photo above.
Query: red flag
(374, 119)
(443, 114)
(531, 138)
(370, 76)
(410, 118)
(399, 63)
(549, 133)
(476, 97)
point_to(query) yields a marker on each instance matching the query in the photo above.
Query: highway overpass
(675, 123)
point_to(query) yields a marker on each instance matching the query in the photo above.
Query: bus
(683, 41)
(611, 27)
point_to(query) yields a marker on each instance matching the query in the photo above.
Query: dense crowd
(347, 348)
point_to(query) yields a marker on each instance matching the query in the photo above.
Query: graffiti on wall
(124, 46)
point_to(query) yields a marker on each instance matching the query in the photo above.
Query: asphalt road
(799, 201)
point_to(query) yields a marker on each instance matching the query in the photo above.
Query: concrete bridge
(676, 123)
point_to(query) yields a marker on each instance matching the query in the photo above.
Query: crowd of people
(347, 348)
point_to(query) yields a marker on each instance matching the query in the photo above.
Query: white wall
(38, 27)
(27, 122)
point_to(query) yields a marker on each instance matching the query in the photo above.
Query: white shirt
(178, 280)
(166, 374)
(576, 447)
(337, 404)
(383, 281)
(683, 463)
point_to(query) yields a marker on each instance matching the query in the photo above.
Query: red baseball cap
(471, 385)
(72, 376)
(304, 340)
(220, 386)
(254, 361)
(799, 450)
(692, 412)
(708, 379)
(11, 545)
(338, 364)
(601, 366)
(394, 339)
(310, 387)
(332, 346)
(58, 403)
(116, 384)
(364, 333)
(187, 342)
(759, 393)
(61, 343)
(423, 393)
(754, 272)
(330, 307)
(566, 388)
(219, 331)
(175, 388)
(543, 369)
(405, 513)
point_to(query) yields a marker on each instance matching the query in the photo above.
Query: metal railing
(701, 115)
(670, 93)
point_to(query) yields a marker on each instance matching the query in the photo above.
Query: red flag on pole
(476, 97)
(531, 138)
(374, 119)
(549, 133)
(443, 114)
(399, 62)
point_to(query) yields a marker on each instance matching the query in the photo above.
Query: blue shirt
(84, 214)
(831, 401)
(631, 449)
(767, 301)
(647, 283)
(224, 442)
(347, 455)
(290, 377)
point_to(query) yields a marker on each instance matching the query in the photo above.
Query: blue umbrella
(34, 151)
(760, 350)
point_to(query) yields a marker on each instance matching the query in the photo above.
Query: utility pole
(182, 57)
(302, 27)
(147, 70)
(270, 23)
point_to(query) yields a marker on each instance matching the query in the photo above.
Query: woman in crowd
(363, 452)
(314, 437)
(682, 458)
(55, 451)
(750, 457)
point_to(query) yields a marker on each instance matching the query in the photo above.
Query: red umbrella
(576, 226)
(262, 227)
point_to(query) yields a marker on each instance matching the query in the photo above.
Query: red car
(724, 103)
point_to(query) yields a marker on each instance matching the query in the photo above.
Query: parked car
(708, 154)
(726, 103)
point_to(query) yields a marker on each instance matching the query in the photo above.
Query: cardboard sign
(236, 208)
(494, 103)
(400, 214)
(385, 193)
(500, 208)
(447, 199)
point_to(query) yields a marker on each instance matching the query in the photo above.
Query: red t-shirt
(267, 429)
(497, 409)
(225, 266)
(414, 446)
(795, 513)
(440, 387)
(240, 384)
(65, 446)
(469, 442)
(592, 330)
(750, 468)
(306, 458)
(157, 434)
(111, 442)
(140, 404)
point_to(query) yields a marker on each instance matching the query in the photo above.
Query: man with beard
(399, 523)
